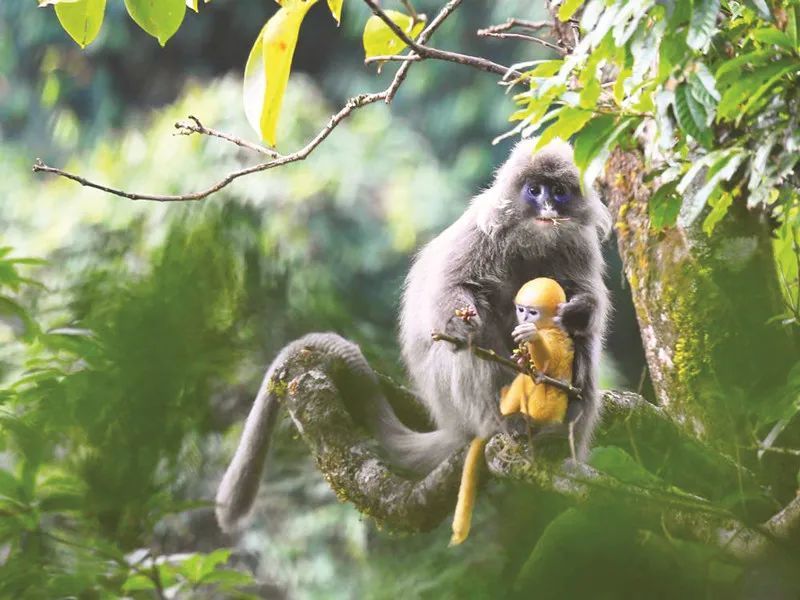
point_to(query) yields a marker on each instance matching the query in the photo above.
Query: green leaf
(590, 140)
(568, 8)
(702, 24)
(159, 18)
(720, 203)
(227, 578)
(750, 87)
(761, 7)
(721, 169)
(664, 206)
(773, 35)
(335, 7)
(268, 66)
(733, 68)
(621, 465)
(704, 86)
(138, 583)
(81, 19)
(692, 116)
(379, 40)
(594, 157)
(570, 120)
(791, 25)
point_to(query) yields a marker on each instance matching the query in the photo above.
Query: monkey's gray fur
(501, 241)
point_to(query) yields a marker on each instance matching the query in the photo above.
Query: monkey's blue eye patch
(532, 192)
(560, 194)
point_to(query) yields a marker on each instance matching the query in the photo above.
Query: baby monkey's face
(541, 316)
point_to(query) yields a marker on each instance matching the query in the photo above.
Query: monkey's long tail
(348, 368)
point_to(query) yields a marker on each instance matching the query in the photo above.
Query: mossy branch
(322, 406)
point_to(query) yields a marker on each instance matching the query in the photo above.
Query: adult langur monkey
(534, 221)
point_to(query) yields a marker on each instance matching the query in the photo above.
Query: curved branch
(349, 460)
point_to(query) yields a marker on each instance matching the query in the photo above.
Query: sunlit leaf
(81, 19)
(703, 23)
(719, 170)
(761, 7)
(751, 86)
(772, 35)
(268, 66)
(719, 202)
(379, 40)
(160, 18)
(335, 7)
(570, 120)
(568, 8)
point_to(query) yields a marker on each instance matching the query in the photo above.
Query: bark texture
(351, 462)
(703, 304)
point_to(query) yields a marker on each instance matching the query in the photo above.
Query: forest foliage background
(134, 335)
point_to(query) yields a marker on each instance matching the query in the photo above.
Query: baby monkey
(551, 350)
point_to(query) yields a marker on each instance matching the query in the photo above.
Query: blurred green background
(132, 352)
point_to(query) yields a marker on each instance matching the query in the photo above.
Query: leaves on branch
(160, 19)
(81, 19)
(268, 65)
(379, 40)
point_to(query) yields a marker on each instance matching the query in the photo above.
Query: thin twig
(411, 10)
(520, 36)
(277, 160)
(521, 23)
(351, 105)
(393, 58)
(435, 53)
(423, 37)
(492, 356)
(195, 126)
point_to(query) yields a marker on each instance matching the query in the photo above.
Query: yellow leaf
(379, 40)
(81, 19)
(195, 4)
(267, 71)
(336, 9)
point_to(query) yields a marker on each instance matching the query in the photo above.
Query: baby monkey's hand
(525, 332)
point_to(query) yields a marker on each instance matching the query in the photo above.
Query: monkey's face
(539, 315)
(548, 201)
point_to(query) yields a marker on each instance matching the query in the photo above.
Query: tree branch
(423, 37)
(420, 49)
(195, 126)
(277, 159)
(521, 36)
(352, 104)
(521, 23)
(493, 356)
(347, 457)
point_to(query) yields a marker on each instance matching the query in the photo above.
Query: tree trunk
(704, 304)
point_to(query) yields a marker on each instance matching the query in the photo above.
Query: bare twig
(521, 23)
(419, 48)
(423, 37)
(411, 10)
(393, 58)
(492, 356)
(520, 36)
(277, 160)
(351, 105)
(195, 126)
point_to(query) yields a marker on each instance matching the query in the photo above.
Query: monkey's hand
(575, 316)
(465, 324)
(525, 332)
